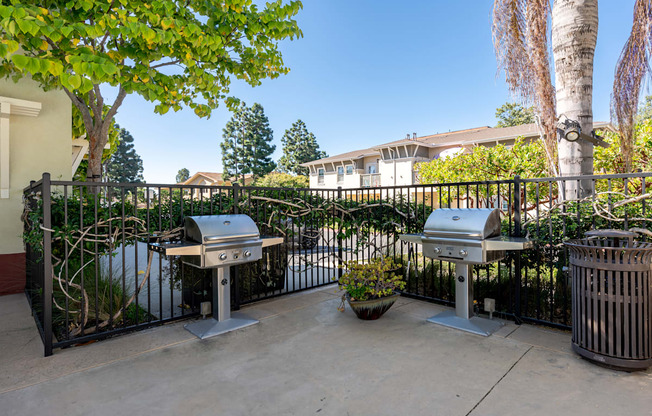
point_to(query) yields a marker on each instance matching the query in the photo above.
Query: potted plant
(371, 288)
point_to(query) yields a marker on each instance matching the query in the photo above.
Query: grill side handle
(453, 234)
(508, 243)
(271, 241)
(231, 237)
(412, 238)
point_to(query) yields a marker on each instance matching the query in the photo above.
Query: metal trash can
(612, 299)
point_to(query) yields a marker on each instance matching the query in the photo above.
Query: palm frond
(509, 37)
(632, 66)
(520, 37)
(537, 38)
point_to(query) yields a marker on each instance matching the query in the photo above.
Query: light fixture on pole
(571, 130)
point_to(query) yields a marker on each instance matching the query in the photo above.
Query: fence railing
(90, 275)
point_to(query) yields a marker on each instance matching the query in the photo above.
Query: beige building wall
(36, 145)
(351, 180)
(397, 172)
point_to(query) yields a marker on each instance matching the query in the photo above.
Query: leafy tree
(125, 165)
(170, 52)
(645, 110)
(282, 180)
(526, 159)
(514, 114)
(299, 146)
(79, 132)
(246, 148)
(611, 159)
(183, 175)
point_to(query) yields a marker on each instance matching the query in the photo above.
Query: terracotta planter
(371, 309)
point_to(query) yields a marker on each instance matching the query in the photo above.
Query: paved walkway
(306, 358)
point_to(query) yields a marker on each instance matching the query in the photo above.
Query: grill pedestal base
(475, 325)
(462, 317)
(207, 328)
(222, 321)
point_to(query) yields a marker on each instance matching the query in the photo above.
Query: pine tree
(183, 175)
(299, 146)
(246, 148)
(261, 143)
(125, 164)
(233, 146)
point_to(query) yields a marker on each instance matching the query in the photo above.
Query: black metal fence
(90, 275)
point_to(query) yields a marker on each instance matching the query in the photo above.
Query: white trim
(11, 106)
(79, 150)
(5, 111)
(22, 107)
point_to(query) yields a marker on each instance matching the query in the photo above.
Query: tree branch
(99, 98)
(97, 114)
(82, 107)
(176, 61)
(106, 123)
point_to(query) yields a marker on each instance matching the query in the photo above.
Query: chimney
(408, 137)
(414, 136)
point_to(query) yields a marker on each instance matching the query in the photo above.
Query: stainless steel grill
(218, 242)
(465, 236)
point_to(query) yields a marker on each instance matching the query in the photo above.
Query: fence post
(47, 264)
(339, 239)
(517, 233)
(235, 276)
(236, 198)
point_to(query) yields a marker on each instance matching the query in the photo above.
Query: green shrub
(372, 280)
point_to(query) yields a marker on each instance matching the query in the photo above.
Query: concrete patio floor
(304, 358)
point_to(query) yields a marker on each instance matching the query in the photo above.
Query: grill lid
(471, 223)
(220, 228)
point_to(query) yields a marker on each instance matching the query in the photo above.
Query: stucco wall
(37, 144)
(403, 172)
(330, 181)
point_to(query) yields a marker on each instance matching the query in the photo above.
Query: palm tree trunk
(574, 34)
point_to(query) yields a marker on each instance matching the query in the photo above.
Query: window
(372, 169)
(340, 174)
(320, 176)
(349, 169)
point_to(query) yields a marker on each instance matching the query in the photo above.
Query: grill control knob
(223, 256)
(464, 253)
(437, 250)
(247, 253)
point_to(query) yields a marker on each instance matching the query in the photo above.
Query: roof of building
(460, 137)
(214, 177)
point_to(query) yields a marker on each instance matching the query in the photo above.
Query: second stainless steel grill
(224, 240)
(218, 242)
(465, 236)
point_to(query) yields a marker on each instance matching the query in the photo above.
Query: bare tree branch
(631, 69)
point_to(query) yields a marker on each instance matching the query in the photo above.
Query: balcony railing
(371, 180)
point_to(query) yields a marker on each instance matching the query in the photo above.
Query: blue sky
(368, 72)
